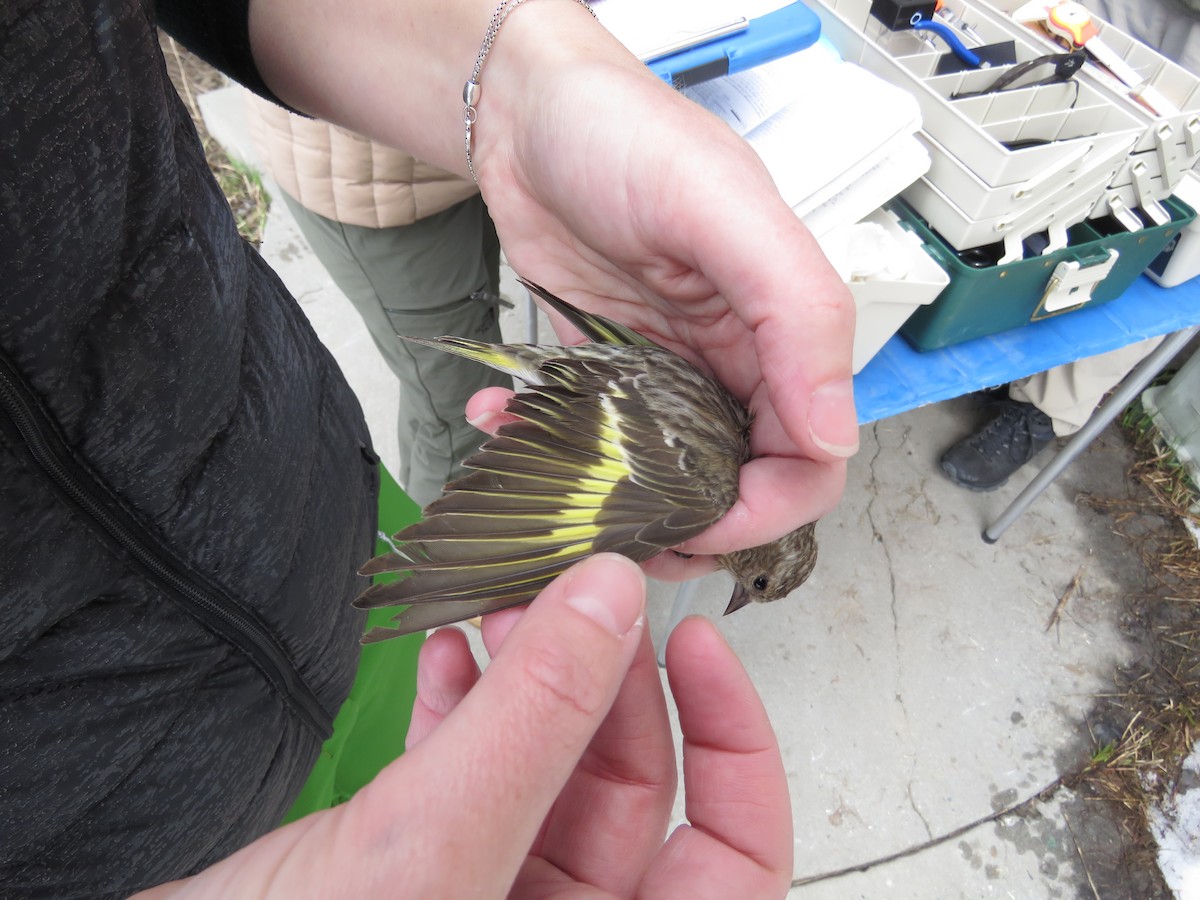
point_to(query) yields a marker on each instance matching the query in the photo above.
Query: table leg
(1133, 384)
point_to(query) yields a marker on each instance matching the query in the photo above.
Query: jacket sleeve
(218, 31)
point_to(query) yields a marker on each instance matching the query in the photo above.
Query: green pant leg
(369, 730)
(426, 279)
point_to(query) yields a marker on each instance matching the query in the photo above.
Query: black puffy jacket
(186, 481)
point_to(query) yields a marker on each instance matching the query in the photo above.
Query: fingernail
(831, 419)
(610, 590)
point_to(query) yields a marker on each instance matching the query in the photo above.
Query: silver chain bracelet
(471, 89)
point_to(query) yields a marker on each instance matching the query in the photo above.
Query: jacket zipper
(41, 439)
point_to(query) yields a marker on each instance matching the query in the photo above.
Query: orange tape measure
(1072, 22)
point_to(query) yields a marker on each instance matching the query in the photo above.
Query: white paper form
(830, 129)
(836, 139)
(747, 99)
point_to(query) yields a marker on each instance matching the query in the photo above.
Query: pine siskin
(621, 445)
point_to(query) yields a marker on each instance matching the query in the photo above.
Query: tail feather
(517, 360)
(518, 583)
(424, 616)
(598, 329)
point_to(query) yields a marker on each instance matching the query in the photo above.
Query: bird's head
(771, 571)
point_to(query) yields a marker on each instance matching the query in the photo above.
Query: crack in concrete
(877, 536)
(908, 790)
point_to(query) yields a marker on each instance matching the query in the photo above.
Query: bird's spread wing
(585, 470)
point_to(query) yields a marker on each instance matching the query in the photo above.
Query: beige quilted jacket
(344, 176)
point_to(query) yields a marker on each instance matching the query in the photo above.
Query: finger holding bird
(614, 445)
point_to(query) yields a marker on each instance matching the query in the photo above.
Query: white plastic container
(889, 274)
(904, 60)
(979, 199)
(1181, 262)
(1057, 211)
(1168, 143)
(1170, 137)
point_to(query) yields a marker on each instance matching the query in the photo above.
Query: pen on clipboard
(695, 39)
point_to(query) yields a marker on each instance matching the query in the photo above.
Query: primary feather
(620, 445)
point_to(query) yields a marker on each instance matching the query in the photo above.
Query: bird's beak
(740, 598)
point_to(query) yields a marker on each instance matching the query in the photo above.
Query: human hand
(617, 194)
(629, 200)
(553, 771)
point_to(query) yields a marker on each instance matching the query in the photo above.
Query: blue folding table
(899, 378)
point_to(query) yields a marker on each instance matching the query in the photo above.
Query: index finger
(805, 424)
(609, 820)
(739, 842)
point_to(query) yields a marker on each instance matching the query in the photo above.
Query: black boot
(984, 460)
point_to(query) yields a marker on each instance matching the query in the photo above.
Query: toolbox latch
(1072, 283)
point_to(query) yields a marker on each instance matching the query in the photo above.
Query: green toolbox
(1100, 260)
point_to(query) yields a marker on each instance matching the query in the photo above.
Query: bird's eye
(760, 583)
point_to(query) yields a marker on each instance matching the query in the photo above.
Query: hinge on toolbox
(1059, 236)
(1072, 283)
(1014, 248)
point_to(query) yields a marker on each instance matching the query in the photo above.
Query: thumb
(487, 777)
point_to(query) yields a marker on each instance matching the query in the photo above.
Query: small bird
(620, 445)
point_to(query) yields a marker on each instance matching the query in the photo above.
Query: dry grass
(242, 186)
(1159, 701)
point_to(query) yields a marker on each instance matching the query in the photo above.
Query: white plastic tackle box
(1082, 157)
(1007, 216)
(1165, 101)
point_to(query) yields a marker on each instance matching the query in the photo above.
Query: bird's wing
(583, 471)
